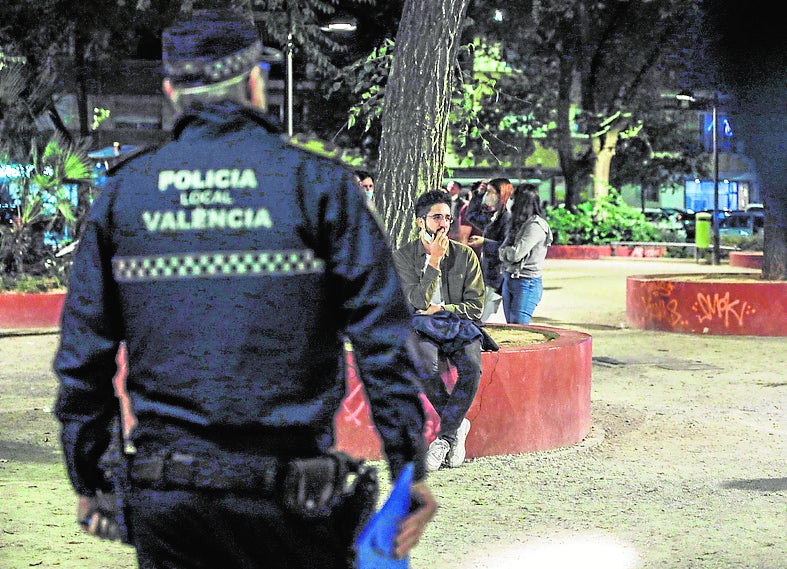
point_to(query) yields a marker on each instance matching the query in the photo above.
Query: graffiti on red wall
(659, 304)
(355, 409)
(354, 405)
(720, 307)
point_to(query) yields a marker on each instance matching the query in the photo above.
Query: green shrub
(753, 243)
(29, 283)
(600, 221)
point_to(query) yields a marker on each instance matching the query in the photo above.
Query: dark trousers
(177, 529)
(450, 406)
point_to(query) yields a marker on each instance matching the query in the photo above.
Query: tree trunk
(760, 118)
(417, 102)
(762, 129)
(60, 127)
(80, 67)
(604, 150)
(756, 72)
(565, 145)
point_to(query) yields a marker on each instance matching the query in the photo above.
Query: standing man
(233, 266)
(443, 277)
(458, 201)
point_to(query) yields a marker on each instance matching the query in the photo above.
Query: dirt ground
(685, 466)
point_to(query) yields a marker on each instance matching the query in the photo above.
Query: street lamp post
(339, 25)
(288, 50)
(685, 96)
(715, 147)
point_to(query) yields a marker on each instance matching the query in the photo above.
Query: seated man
(439, 274)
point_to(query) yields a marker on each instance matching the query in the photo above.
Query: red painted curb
(671, 304)
(30, 310)
(530, 398)
(746, 259)
(578, 251)
(640, 251)
(599, 251)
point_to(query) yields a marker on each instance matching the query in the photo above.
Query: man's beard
(430, 234)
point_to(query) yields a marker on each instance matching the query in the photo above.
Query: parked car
(743, 223)
(668, 219)
(686, 218)
(671, 219)
(690, 220)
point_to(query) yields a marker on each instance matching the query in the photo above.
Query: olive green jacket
(460, 274)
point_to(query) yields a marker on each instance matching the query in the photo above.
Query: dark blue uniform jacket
(232, 264)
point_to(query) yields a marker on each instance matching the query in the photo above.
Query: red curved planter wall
(31, 310)
(655, 302)
(747, 259)
(530, 398)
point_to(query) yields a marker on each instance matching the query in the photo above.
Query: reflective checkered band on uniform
(216, 264)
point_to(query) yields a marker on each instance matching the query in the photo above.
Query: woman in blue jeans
(522, 255)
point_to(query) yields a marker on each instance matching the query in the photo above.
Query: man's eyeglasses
(438, 217)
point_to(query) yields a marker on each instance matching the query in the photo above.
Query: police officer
(233, 266)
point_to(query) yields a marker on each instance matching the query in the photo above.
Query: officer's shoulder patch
(323, 149)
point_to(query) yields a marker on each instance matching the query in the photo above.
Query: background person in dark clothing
(498, 192)
(233, 266)
(474, 215)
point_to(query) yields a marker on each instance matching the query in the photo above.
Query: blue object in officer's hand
(375, 545)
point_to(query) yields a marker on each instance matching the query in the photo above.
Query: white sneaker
(456, 456)
(436, 454)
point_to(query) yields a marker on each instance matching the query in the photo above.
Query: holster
(112, 504)
(333, 486)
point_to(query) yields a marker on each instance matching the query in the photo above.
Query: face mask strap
(428, 237)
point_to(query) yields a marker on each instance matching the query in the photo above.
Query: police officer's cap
(210, 46)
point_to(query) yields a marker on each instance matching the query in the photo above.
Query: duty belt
(185, 471)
